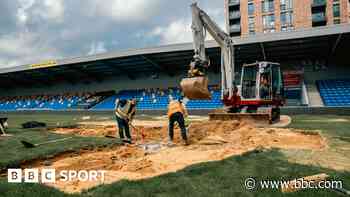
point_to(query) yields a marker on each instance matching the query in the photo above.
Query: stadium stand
(148, 99)
(335, 92)
(157, 99)
(47, 102)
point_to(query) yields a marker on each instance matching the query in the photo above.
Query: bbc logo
(31, 175)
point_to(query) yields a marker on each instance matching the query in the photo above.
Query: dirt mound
(210, 141)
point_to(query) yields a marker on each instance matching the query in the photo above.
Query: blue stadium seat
(159, 99)
(335, 92)
(57, 102)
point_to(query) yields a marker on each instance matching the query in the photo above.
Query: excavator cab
(262, 82)
(195, 86)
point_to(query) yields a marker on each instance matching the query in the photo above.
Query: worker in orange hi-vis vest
(176, 113)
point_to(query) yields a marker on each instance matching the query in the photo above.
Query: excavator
(261, 89)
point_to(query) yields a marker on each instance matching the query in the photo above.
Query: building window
(286, 19)
(269, 21)
(287, 28)
(251, 21)
(336, 10)
(251, 8)
(267, 6)
(286, 4)
(336, 21)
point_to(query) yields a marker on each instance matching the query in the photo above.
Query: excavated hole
(149, 156)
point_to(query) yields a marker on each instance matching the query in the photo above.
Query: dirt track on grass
(149, 156)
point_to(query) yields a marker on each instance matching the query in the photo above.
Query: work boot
(127, 141)
(170, 143)
(186, 143)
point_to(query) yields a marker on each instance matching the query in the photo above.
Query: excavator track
(262, 116)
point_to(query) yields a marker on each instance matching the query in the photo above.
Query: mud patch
(209, 141)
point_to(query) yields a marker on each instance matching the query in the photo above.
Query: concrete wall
(332, 72)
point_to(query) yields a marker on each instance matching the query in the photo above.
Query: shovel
(110, 136)
(31, 145)
(139, 132)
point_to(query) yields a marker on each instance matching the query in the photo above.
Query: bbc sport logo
(49, 175)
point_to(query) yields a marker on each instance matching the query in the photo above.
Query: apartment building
(249, 17)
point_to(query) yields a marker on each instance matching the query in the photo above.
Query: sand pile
(210, 141)
(87, 131)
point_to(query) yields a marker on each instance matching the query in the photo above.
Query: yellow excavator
(261, 90)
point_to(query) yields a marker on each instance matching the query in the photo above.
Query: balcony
(319, 3)
(235, 15)
(235, 28)
(233, 2)
(319, 19)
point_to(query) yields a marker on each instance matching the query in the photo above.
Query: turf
(13, 152)
(221, 178)
(331, 125)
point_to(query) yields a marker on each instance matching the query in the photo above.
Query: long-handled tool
(110, 136)
(31, 145)
(138, 132)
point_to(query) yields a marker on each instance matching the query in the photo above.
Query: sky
(37, 30)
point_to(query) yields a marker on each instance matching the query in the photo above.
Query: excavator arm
(194, 86)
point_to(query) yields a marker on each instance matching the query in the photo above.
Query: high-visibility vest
(123, 112)
(175, 106)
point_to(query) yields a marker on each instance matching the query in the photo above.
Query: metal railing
(319, 3)
(235, 28)
(319, 17)
(233, 2)
(234, 15)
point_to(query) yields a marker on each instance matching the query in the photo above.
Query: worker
(176, 113)
(125, 111)
(264, 88)
(3, 126)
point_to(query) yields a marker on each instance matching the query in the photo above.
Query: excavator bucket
(195, 88)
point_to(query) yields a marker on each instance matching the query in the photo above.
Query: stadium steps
(314, 95)
(293, 102)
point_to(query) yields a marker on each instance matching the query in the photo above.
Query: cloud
(53, 10)
(29, 10)
(97, 47)
(22, 14)
(125, 11)
(35, 30)
(178, 31)
(24, 47)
